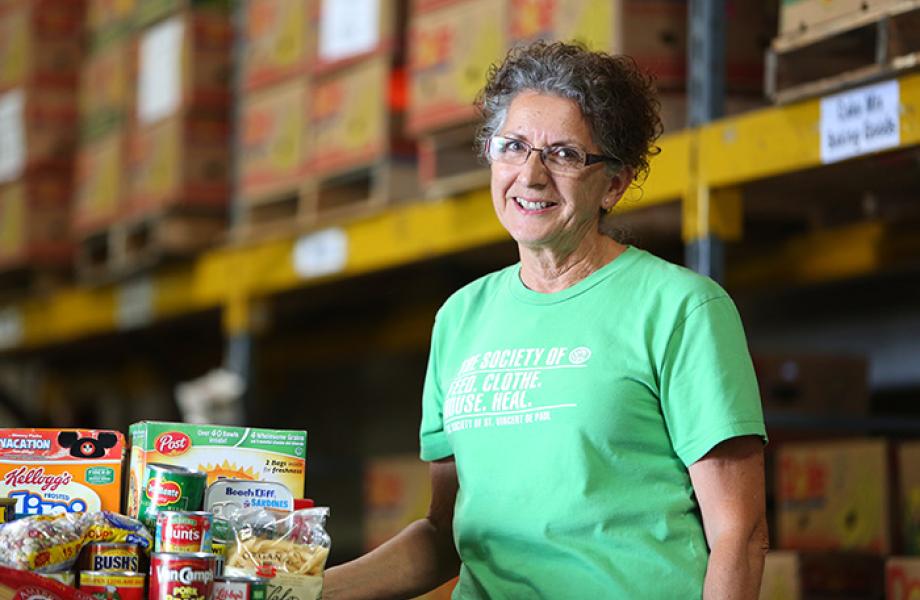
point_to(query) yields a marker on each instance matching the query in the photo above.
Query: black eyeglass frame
(590, 159)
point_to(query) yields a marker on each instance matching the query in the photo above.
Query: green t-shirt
(573, 417)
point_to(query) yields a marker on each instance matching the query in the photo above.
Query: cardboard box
(106, 91)
(781, 577)
(349, 117)
(813, 384)
(451, 47)
(51, 470)
(909, 496)
(277, 42)
(183, 62)
(802, 15)
(220, 451)
(902, 578)
(35, 219)
(39, 42)
(346, 32)
(273, 131)
(397, 492)
(834, 496)
(180, 160)
(98, 197)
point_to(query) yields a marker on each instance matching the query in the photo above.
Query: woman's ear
(619, 183)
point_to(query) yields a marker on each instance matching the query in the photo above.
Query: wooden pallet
(448, 164)
(872, 45)
(328, 199)
(128, 247)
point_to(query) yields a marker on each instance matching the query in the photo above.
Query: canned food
(65, 577)
(185, 575)
(113, 585)
(111, 556)
(168, 487)
(240, 588)
(183, 531)
(249, 494)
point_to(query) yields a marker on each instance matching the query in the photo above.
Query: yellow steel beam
(782, 139)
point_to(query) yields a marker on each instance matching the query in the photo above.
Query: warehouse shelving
(696, 167)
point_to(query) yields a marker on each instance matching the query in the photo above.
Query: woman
(591, 414)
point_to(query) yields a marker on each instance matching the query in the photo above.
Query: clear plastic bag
(267, 543)
(52, 543)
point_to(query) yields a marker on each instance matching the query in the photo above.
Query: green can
(168, 487)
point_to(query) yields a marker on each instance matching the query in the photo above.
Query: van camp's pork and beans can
(168, 487)
(183, 531)
(181, 575)
(109, 585)
(239, 588)
(111, 556)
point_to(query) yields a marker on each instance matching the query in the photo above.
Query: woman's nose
(533, 171)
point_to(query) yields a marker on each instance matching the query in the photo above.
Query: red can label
(113, 586)
(183, 531)
(181, 576)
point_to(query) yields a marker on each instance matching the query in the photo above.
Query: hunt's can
(112, 585)
(193, 572)
(179, 531)
(111, 556)
(168, 487)
(240, 588)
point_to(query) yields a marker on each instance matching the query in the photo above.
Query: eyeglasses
(560, 160)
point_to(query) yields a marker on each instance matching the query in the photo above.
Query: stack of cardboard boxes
(155, 107)
(277, 52)
(40, 51)
(359, 157)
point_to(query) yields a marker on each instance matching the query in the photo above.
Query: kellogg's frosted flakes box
(218, 450)
(61, 470)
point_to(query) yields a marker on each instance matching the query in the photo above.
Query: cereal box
(220, 451)
(909, 496)
(834, 496)
(51, 470)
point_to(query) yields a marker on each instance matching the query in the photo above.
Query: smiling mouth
(532, 205)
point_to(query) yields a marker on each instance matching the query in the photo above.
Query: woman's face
(542, 210)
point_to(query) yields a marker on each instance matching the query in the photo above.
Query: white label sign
(12, 135)
(159, 84)
(321, 253)
(348, 27)
(860, 121)
(11, 328)
(134, 303)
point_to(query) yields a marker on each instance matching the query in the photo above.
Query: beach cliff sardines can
(185, 575)
(179, 531)
(168, 487)
(240, 588)
(111, 556)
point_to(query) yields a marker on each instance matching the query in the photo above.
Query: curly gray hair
(616, 97)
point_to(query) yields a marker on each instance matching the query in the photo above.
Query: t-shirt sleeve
(434, 444)
(708, 387)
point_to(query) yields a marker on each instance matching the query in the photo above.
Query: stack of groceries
(209, 511)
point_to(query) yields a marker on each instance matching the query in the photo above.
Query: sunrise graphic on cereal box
(218, 450)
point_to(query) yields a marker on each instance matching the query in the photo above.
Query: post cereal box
(902, 578)
(218, 450)
(52, 471)
(833, 496)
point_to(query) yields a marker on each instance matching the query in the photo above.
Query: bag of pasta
(290, 550)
